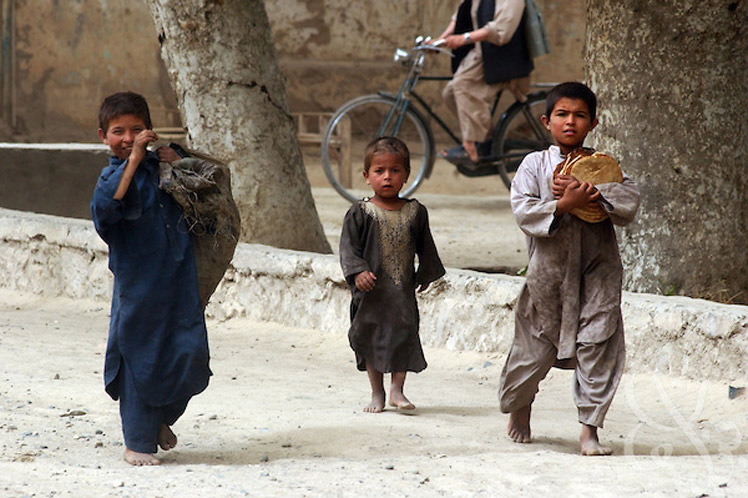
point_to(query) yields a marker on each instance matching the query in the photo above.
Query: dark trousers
(141, 422)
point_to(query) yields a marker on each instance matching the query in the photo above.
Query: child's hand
(578, 195)
(167, 154)
(141, 141)
(560, 182)
(365, 281)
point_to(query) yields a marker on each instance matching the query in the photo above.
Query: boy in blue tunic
(157, 352)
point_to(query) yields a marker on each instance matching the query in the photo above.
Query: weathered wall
(53, 256)
(71, 54)
(331, 53)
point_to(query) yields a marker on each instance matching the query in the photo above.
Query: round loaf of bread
(596, 169)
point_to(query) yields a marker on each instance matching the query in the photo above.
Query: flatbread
(595, 168)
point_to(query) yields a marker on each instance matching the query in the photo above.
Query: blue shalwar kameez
(157, 352)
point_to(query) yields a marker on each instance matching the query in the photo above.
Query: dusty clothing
(384, 321)
(157, 325)
(569, 308)
(467, 94)
(140, 421)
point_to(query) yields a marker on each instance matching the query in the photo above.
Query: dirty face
(386, 175)
(121, 132)
(569, 123)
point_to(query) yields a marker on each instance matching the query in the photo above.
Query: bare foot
(399, 401)
(519, 425)
(140, 459)
(377, 403)
(590, 444)
(166, 438)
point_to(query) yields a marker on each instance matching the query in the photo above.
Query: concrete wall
(51, 178)
(51, 256)
(70, 54)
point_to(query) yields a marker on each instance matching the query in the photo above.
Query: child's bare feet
(377, 403)
(140, 459)
(397, 398)
(590, 444)
(399, 401)
(519, 425)
(166, 438)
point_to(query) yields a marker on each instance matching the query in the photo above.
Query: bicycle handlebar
(424, 44)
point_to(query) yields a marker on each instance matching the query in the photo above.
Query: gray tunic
(572, 294)
(384, 321)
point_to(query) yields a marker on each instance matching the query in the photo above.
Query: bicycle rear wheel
(520, 133)
(358, 122)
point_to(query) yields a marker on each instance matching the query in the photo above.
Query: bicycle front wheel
(520, 132)
(358, 122)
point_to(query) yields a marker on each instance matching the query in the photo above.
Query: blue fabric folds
(157, 323)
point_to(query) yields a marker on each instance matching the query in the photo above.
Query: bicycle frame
(407, 90)
(401, 101)
(399, 114)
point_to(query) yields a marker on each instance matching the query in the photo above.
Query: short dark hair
(571, 90)
(387, 145)
(123, 103)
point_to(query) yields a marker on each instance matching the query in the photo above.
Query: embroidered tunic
(384, 321)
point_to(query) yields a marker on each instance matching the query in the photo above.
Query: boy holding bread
(567, 200)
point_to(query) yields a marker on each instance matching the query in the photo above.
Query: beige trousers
(598, 371)
(470, 97)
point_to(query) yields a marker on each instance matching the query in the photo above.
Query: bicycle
(517, 132)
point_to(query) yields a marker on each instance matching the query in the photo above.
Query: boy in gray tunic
(380, 238)
(568, 312)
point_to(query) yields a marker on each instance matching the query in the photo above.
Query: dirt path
(282, 417)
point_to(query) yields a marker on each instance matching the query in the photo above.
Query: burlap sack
(203, 189)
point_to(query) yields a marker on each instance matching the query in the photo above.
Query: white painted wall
(52, 256)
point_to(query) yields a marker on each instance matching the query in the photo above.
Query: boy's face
(570, 122)
(121, 132)
(386, 175)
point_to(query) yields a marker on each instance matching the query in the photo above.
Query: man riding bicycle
(488, 59)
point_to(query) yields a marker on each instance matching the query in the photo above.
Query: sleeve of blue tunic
(105, 209)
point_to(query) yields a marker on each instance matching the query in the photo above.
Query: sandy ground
(470, 218)
(282, 417)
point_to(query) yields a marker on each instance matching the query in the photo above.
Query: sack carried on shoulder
(537, 37)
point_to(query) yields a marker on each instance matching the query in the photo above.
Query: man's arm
(507, 16)
(499, 31)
